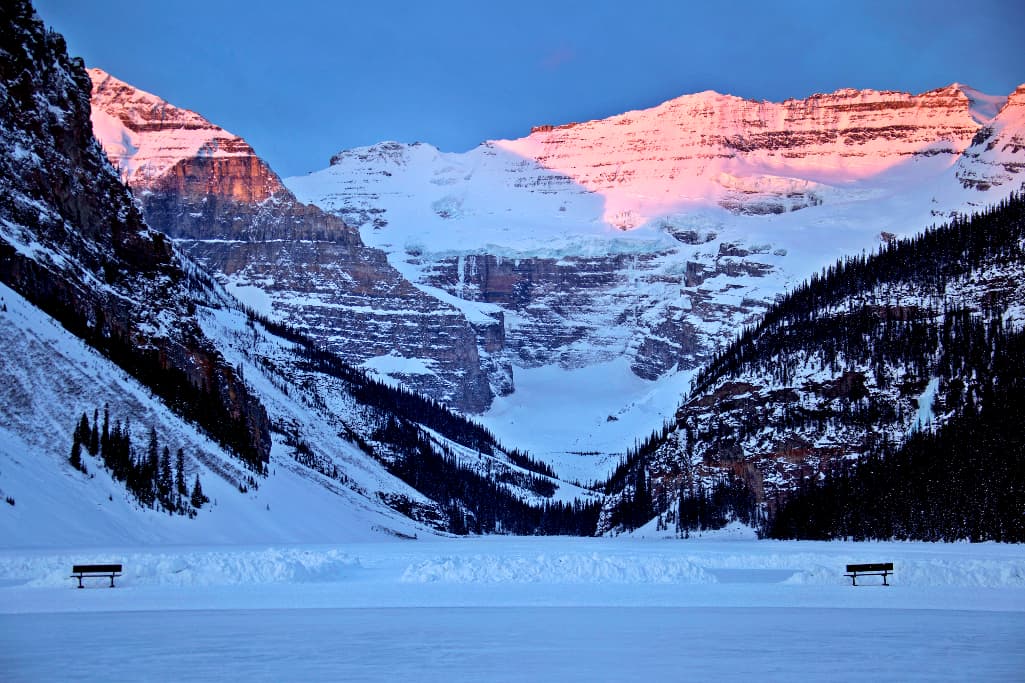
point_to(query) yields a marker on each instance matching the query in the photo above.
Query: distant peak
(983, 107)
(388, 150)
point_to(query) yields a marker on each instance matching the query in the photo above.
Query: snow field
(506, 571)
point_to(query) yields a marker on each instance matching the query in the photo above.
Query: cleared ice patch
(562, 568)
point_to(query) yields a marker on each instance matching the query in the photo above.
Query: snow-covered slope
(997, 155)
(51, 378)
(642, 242)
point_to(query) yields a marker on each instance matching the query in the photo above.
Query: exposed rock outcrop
(207, 189)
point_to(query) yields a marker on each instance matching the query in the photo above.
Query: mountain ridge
(852, 363)
(720, 225)
(223, 205)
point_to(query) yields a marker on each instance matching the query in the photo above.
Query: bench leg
(79, 581)
(112, 580)
(854, 579)
(884, 579)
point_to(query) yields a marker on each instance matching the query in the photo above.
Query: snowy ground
(517, 609)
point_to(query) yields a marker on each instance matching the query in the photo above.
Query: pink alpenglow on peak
(709, 148)
(148, 140)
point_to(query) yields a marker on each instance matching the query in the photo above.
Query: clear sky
(301, 80)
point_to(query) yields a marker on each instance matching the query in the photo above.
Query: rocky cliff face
(570, 310)
(749, 156)
(73, 243)
(207, 189)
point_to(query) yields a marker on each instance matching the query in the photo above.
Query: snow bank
(534, 561)
(516, 571)
(980, 573)
(197, 568)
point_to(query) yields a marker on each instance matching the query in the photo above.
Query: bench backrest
(92, 568)
(877, 567)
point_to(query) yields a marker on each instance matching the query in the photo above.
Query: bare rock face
(207, 189)
(569, 311)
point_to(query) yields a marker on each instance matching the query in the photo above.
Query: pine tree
(165, 479)
(198, 499)
(105, 434)
(94, 435)
(82, 430)
(76, 453)
(179, 473)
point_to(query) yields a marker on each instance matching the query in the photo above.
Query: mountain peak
(389, 151)
(709, 148)
(146, 137)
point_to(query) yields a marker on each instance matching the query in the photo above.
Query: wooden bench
(81, 571)
(882, 569)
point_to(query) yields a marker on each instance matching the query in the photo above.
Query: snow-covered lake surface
(519, 609)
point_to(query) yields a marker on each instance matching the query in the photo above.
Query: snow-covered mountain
(622, 252)
(581, 274)
(618, 253)
(101, 315)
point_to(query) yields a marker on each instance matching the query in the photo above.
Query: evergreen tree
(82, 431)
(94, 435)
(105, 434)
(76, 453)
(179, 473)
(165, 479)
(198, 499)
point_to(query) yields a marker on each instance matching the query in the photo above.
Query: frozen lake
(516, 644)
(516, 609)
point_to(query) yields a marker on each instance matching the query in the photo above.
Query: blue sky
(302, 80)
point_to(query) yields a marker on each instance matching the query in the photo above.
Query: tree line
(472, 502)
(153, 478)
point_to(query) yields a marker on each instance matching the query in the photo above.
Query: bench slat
(95, 568)
(876, 567)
